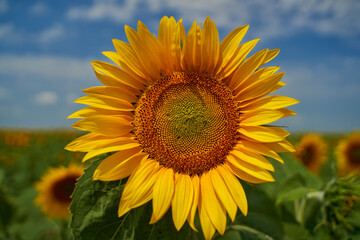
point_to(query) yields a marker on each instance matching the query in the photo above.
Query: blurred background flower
(311, 151)
(348, 154)
(55, 189)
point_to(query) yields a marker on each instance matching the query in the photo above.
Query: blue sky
(46, 48)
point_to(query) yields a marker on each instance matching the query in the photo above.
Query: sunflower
(348, 154)
(187, 116)
(311, 151)
(55, 189)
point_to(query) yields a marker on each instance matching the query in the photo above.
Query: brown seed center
(63, 188)
(353, 153)
(187, 122)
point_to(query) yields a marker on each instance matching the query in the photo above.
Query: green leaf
(292, 195)
(95, 206)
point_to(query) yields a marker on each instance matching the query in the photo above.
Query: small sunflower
(55, 189)
(348, 154)
(187, 116)
(311, 151)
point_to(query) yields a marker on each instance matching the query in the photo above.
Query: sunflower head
(348, 154)
(55, 188)
(186, 117)
(311, 151)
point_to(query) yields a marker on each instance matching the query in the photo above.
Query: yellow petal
(169, 36)
(129, 59)
(256, 172)
(271, 102)
(282, 146)
(111, 81)
(209, 47)
(257, 76)
(114, 92)
(106, 102)
(229, 45)
(153, 47)
(223, 193)
(234, 187)
(247, 68)
(111, 147)
(206, 225)
(260, 117)
(260, 88)
(119, 165)
(93, 141)
(237, 58)
(105, 125)
(191, 57)
(163, 192)
(94, 111)
(260, 148)
(136, 41)
(242, 155)
(287, 112)
(211, 204)
(270, 56)
(138, 189)
(195, 202)
(264, 134)
(183, 199)
(113, 56)
(118, 73)
(248, 177)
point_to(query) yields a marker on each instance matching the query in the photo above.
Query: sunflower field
(304, 202)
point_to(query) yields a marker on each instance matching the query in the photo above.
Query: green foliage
(6, 208)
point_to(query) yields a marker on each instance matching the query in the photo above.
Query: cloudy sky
(46, 48)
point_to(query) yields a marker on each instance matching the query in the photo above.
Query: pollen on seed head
(187, 122)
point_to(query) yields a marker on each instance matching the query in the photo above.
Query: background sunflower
(348, 154)
(312, 151)
(55, 189)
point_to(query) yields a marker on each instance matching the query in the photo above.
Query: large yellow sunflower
(55, 189)
(187, 116)
(348, 154)
(311, 151)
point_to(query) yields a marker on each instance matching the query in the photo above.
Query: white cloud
(46, 98)
(52, 33)
(11, 35)
(104, 9)
(332, 78)
(8, 34)
(46, 67)
(5, 29)
(3, 92)
(3, 6)
(272, 17)
(39, 8)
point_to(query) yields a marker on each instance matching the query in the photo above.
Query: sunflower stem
(242, 228)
